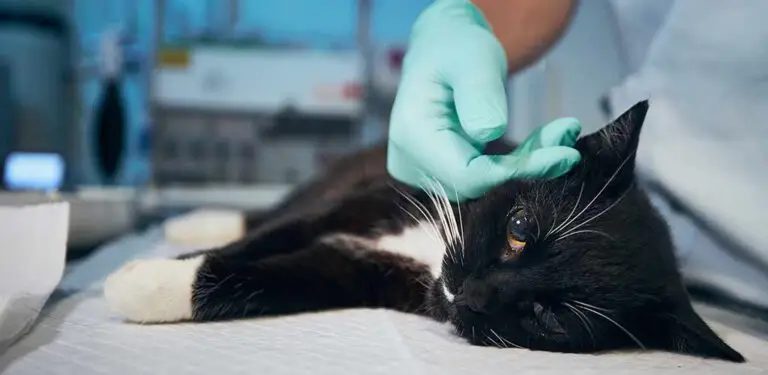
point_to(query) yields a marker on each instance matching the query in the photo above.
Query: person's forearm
(527, 28)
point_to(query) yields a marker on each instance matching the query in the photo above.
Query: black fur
(611, 283)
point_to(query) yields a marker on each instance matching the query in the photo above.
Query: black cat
(581, 263)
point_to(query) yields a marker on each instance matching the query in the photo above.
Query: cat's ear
(609, 153)
(689, 334)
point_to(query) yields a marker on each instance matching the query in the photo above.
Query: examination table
(77, 334)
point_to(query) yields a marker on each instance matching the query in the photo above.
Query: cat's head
(581, 263)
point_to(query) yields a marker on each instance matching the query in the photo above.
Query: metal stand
(369, 124)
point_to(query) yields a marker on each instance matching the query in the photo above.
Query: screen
(34, 171)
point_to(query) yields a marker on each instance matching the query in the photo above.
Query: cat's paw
(205, 228)
(153, 290)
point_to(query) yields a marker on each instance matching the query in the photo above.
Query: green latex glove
(452, 101)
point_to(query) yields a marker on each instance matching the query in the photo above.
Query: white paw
(153, 290)
(205, 228)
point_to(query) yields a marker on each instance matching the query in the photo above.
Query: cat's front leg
(154, 290)
(327, 275)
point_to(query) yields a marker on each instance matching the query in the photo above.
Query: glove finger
(542, 163)
(451, 162)
(561, 132)
(484, 172)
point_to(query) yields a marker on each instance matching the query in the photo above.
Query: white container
(34, 237)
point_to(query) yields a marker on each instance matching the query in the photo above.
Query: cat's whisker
(583, 231)
(444, 206)
(424, 212)
(583, 318)
(496, 344)
(505, 341)
(432, 231)
(449, 209)
(559, 227)
(461, 222)
(439, 198)
(415, 219)
(445, 229)
(538, 227)
(503, 344)
(555, 210)
(419, 206)
(452, 216)
(427, 283)
(605, 186)
(624, 194)
(584, 304)
(431, 195)
(615, 323)
(440, 214)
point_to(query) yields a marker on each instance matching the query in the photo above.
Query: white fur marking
(417, 242)
(153, 290)
(448, 295)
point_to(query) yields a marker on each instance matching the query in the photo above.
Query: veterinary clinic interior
(149, 129)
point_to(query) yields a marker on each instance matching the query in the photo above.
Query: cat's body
(581, 263)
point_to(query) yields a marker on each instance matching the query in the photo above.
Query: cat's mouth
(512, 325)
(510, 329)
(481, 333)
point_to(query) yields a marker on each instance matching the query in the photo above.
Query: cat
(582, 263)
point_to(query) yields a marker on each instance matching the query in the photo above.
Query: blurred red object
(352, 91)
(395, 58)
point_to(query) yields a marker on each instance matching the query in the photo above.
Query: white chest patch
(418, 242)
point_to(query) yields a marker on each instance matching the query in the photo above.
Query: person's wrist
(449, 24)
(449, 13)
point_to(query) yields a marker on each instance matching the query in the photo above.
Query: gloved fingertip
(544, 163)
(483, 117)
(559, 161)
(566, 124)
(486, 134)
(570, 156)
(481, 174)
(561, 132)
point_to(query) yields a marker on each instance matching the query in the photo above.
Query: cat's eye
(517, 234)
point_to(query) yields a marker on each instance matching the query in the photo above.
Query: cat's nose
(477, 295)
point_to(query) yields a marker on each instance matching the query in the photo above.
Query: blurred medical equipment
(221, 118)
(34, 234)
(33, 171)
(110, 112)
(239, 110)
(42, 137)
(36, 84)
(300, 117)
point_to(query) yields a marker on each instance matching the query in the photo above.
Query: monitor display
(33, 171)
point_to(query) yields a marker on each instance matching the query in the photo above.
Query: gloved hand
(452, 101)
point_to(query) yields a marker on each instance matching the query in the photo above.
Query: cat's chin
(437, 306)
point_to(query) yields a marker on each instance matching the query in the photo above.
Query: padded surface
(79, 335)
